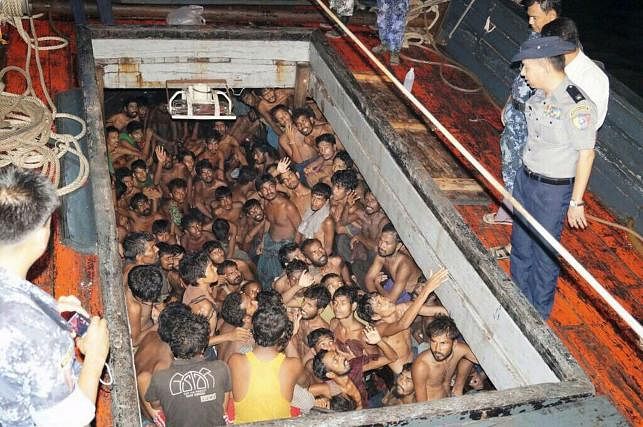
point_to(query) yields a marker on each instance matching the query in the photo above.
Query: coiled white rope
(26, 136)
(560, 249)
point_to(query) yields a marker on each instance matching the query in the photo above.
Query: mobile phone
(77, 322)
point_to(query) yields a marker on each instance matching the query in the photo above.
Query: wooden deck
(600, 343)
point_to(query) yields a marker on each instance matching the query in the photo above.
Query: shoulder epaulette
(576, 95)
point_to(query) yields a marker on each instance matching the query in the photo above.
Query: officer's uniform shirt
(559, 126)
(38, 367)
(588, 76)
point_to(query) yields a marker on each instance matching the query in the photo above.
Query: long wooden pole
(560, 249)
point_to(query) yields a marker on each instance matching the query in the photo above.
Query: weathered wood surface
(125, 403)
(436, 235)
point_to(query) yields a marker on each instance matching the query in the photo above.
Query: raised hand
(435, 280)
(161, 154)
(352, 198)
(371, 335)
(283, 165)
(306, 279)
(241, 334)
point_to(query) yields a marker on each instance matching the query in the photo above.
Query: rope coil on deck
(555, 244)
(26, 136)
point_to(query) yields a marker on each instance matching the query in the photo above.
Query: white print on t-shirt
(192, 383)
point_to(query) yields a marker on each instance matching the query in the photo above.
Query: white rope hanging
(26, 136)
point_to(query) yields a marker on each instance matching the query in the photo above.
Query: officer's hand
(95, 343)
(576, 217)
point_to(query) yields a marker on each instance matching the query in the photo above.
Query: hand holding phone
(78, 323)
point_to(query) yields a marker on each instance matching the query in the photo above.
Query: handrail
(560, 249)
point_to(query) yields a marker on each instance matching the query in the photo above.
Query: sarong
(404, 296)
(268, 266)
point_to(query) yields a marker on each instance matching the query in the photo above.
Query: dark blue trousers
(534, 265)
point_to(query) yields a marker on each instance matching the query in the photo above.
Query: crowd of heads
(265, 225)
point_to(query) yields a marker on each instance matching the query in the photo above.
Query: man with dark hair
(169, 259)
(372, 220)
(322, 169)
(142, 178)
(224, 207)
(41, 383)
(193, 234)
(315, 299)
(321, 264)
(138, 249)
(192, 391)
(317, 222)
(334, 366)
(199, 273)
(557, 163)
(402, 391)
(153, 354)
(134, 138)
(293, 185)
(434, 368)
(237, 310)
(282, 219)
(344, 209)
(244, 189)
(144, 285)
(393, 273)
(347, 329)
(118, 155)
(227, 233)
(167, 170)
(129, 113)
(264, 157)
(264, 379)
(290, 284)
(203, 190)
(393, 321)
(291, 141)
(308, 126)
(269, 98)
(142, 210)
(178, 204)
(580, 69)
(162, 231)
(514, 135)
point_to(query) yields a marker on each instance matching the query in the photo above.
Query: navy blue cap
(543, 47)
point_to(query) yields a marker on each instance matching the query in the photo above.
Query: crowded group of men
(263, 281)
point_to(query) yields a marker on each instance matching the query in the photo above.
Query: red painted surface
(590, 330)
(594, 335)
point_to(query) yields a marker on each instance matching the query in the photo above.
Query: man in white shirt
(580, 69)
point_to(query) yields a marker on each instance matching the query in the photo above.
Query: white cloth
(589, 77)
(76, 410)
(312, 220)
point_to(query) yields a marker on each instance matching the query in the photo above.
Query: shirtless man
(119, 155)
(203, 189)
(322, 264)
(144, 284)
(344, 208)
(225, 207)
(251, 228)
(321, 169)
(121, 119)
(264, 157)
(169, 262)
(403, 390)
(215, 251)
(178, 204)
(199, 274)
(291, 141)
(141, 176)
(298, 193)
(290, 284)
(308, 126)
(434, 368)
(270, 98)
(346, 328)
(236, 311)
(213, 153)
(162, 231)
(335, 366)
(315, 300)
(393, 321)
(167, 170)
(282, 220)
(138, 249)
(154, 354)
(193, 234)
(247, 126)
(229, 148)
(244, 189)
(316, 222)
(364, 244)
(392, 266)
(142, 212)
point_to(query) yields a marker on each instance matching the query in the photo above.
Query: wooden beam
(466, 185)
(302, 78)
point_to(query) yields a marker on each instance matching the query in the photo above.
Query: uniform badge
(552, 111)
(581, 117)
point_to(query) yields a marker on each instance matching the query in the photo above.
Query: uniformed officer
(557, 162)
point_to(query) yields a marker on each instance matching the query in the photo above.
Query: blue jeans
(534, 264)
